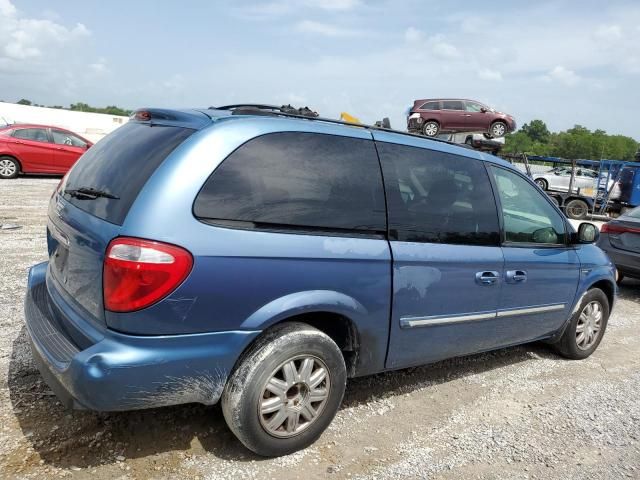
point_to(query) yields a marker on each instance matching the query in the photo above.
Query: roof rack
(292, 112)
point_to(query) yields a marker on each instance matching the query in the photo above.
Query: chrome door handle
(516, 276)
(487, 278)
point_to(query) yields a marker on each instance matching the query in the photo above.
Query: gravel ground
(516, 413)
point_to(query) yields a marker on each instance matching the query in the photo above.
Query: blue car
(260, 258)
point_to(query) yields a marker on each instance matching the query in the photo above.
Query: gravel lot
(516, 413)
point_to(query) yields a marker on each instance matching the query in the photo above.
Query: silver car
(558, 179)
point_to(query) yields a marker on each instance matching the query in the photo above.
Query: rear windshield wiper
(89, 193)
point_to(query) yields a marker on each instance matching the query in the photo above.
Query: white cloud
(413, 35)
(489, 74)
(443, 49)
(609, 32)
(325, 29)
(563, 75)
(334, 4)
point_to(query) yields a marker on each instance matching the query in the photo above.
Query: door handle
(487, 278)
(516, 276)
(465, 115)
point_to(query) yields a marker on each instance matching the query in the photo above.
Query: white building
(92, 126)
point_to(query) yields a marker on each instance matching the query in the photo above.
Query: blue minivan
(259, 258)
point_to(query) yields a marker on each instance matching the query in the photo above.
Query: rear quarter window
(297, 181)
(120, 164)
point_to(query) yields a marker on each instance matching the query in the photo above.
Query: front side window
(474, 107)
(293, 180)
(430, 106)
(528, 215)
(60, 137)
(452, 105)
(438, 197)
(33, 134)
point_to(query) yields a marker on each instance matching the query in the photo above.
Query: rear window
(297, 181)
(430, 106)
(120, 164)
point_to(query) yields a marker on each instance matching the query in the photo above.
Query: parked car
(559, 178)
(620, 238)
(478, 141)
(260, 260)
(432, 116)
(26, 148)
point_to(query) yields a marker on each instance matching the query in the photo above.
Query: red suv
(433, 116)
(38, 149)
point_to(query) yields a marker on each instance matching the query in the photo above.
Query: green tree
(24, 101)
(537, 130)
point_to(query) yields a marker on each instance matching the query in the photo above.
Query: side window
(438, 197)
(473, 107)
(452, 105)
(430, 106)
(60, 137)
(298, 180)
(33, 134)
(528, 215)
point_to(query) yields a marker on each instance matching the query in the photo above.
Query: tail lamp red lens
(617, 228)
(138, 273)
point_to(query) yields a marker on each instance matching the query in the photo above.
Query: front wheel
(586, 328)
(285, 391)
(542, 183)
(498, 129)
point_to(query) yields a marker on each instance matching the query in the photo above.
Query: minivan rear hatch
(92, 202)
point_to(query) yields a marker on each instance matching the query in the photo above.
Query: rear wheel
(9, 167)
(431, 128)
(586, 328)
(285, 391)
(576, 209)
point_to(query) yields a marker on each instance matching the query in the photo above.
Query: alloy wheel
(7, 167)
(294, 396)
(498, 129)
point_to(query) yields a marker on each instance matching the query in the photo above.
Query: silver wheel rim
(540, 183)
(431, 129)
(589, 325)
(7, 167)
(294, 396)
(498, 130)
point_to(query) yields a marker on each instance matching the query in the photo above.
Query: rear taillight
(138, 273)
(618, 228)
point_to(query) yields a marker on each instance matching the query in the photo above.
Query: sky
(565, 62)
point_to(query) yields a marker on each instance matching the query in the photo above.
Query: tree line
(82, 107)
(575, 143)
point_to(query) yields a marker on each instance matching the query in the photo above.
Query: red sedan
(39, 149)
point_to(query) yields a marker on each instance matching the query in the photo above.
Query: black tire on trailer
(286, 390)
(576, 209)
(555, 200)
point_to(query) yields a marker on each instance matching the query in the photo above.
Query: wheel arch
(335, 314)
(12, 156)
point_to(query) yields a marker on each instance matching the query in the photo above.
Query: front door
(447, 262)
(476, 119)
(68, 149)
(541, 268)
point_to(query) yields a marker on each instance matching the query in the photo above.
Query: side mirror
(484, 110)
(587, 233)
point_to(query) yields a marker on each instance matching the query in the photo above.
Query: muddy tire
(285, 391)
(586, 328)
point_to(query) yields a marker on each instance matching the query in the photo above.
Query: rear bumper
(626, 262)
(126, 372)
